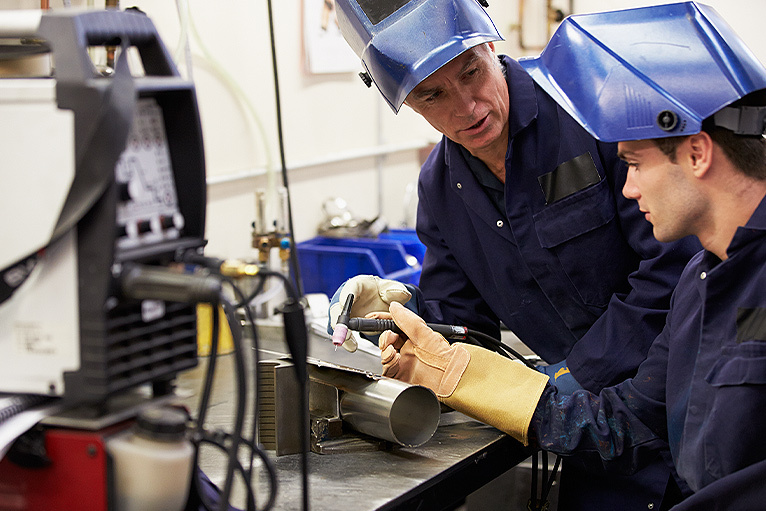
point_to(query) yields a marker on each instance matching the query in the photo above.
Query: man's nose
(464, 105)
(630, 189)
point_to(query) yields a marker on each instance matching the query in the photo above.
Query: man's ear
(700, 153)
(491, 45)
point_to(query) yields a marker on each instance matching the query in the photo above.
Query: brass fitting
(237, 268)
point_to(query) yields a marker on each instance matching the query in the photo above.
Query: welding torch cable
(219, 439)
(294, 299)
(453, 332)
(205, 500)
(239, 416)
(244, 304)
(207, 389)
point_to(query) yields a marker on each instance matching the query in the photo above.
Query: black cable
(533, 502)
(447, 331)
(296, 329)
(213, 439)
(207, 388)
(552, 478)
(294, 267)
(244, 303)
(245, 300)
(544, 478)
(293, 308)
(296, 336)
(290, 288)
(498, 345)
(239, 416)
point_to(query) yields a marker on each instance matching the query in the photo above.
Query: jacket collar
(521, 91)
(754, 227)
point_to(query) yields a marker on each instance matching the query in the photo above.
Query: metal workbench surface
(462, 455)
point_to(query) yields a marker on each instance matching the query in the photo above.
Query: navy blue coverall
(570, 265)
(702, 387)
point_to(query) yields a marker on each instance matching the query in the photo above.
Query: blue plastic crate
(410, 241)
(328, 262)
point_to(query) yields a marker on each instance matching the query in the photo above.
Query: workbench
(461, 457)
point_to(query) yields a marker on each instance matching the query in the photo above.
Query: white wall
(330, 122)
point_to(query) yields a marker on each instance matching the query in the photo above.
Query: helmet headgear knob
(667, 120)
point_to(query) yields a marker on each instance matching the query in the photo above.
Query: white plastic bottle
(152, 462)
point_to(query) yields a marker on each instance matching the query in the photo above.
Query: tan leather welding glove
(371, 294)
(426, 358)
(477, 382)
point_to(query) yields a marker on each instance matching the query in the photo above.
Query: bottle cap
(161, 423)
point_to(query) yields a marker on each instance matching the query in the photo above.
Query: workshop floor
(509, 492)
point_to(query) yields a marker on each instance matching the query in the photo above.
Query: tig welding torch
(381, 325)
(452, 332)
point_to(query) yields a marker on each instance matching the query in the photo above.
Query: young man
(687, 102)
(522, 217)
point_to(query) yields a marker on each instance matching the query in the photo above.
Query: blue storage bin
(410, 241)
(328, 262)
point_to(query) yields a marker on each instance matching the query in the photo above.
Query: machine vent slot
(139, 352)
(133, 352)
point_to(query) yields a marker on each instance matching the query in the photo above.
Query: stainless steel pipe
(381, 407)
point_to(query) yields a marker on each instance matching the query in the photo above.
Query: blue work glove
(371, 294)
(560, 377)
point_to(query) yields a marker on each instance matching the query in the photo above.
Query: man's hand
(371, 295)
(477, 382)
(424, 357)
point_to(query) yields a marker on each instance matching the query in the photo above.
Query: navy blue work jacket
(575, 272)
(702, 387)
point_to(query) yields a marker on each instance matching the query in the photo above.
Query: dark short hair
(747, 153)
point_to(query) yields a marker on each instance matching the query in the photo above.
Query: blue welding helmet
(402, 42)
(651, 72)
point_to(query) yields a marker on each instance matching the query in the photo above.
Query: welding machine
(102, 169)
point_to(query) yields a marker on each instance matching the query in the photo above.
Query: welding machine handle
(70, 33)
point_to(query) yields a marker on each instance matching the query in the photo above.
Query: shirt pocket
(733, 423)
(743, 364)
(580, 231)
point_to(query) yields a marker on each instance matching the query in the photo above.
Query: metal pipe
(259, 224)
(382, 407)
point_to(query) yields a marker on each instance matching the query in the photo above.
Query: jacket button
(499, 223)
(459, 186)
(703, 275)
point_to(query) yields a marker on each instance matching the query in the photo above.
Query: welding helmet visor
(402, 42)
(650, 72)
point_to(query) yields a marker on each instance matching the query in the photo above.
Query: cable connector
(141, 282)
(226, 267)
(236, 268)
